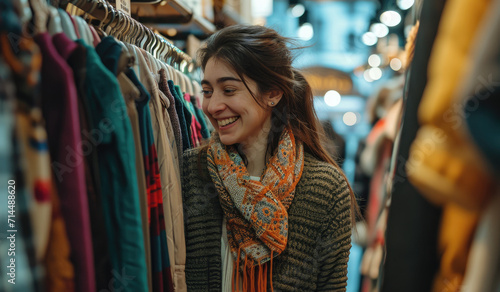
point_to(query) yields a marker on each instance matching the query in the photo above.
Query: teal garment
(484, 127)
(201, 119)
(187, 113)
(112, 133)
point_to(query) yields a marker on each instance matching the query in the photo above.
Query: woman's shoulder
(323, 184)
(319, 170)
(192, 154)
(194, 166)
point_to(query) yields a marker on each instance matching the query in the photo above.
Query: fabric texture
(162, 275)
(413, 222)
(112, 56)
(205, 134)
(170, 180)
(11, 169)
(195, 125)
(179, 107)
(319, 229)
(451, 172)
(169, 172)
(76, 56)
(256, 212)
(60, 111)
(482, 110)
(174, 118)
(118, 179)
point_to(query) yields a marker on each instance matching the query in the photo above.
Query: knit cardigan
(319, 229)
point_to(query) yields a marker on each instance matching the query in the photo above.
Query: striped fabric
(319, 231)
(162, 275)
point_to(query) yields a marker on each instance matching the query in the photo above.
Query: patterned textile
(256, 212)
(29, 276)
(162, 275)
(172, 112)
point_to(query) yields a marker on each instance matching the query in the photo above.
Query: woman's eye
(229, 91)
(206, 93)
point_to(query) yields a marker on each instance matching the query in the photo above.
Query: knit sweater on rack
(319, 229)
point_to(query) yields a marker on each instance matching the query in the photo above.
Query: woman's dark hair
(261, 54)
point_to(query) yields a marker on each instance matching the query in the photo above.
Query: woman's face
(234, 113)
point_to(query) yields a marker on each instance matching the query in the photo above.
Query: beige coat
(170, 179)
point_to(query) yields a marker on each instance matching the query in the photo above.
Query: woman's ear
(274, 97)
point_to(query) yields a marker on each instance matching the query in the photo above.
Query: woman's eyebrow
(221, 79)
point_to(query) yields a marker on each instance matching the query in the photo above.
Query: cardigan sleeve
(335, 241)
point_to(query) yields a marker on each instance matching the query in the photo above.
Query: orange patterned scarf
(256, 211)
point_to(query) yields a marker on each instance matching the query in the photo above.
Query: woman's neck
(256, 158)
(255, 152)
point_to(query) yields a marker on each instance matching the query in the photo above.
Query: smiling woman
(266, 207)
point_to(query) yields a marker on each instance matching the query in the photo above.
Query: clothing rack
(127, 29)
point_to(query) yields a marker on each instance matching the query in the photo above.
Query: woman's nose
(215, 104)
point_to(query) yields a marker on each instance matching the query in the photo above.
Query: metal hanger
(125, 28)
(128, 36)
(106, 13)
(118, 25)
(113, 15)
(87, 14)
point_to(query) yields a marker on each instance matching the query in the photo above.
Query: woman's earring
(272, 103)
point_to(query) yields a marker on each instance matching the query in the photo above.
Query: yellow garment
(60, 271)
(455, 238)
(443, 163)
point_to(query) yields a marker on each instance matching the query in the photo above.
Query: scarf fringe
(254, 277)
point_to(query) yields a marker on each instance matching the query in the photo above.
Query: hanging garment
(29, 271)
(412, 221)
(170, 181)
(205, 134)
(174, 118)
(25, 61)
(443, 162)
(165, 105)
(162, 275)
(482, 265)
(115, 149)
(67, 24)
(115, 59)
(179, 107)
(76, 56)
(60, 272)
(60, 109)
(481, 90)
(131, 94)
(195, 125)
(188, 117)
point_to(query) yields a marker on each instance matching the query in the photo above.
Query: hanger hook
(113, 15)
(87, 14)
(103, 4)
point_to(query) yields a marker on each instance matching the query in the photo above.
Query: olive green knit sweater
(319, 230)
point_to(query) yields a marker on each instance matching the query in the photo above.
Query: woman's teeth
(226, 122)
